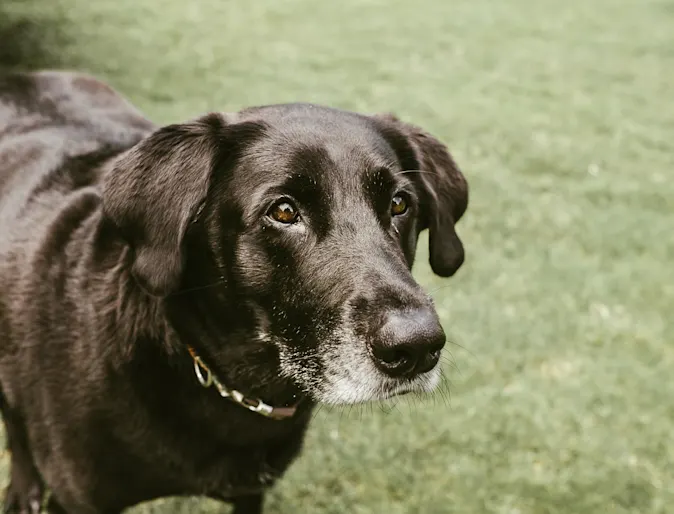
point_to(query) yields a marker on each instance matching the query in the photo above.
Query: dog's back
(49, 118)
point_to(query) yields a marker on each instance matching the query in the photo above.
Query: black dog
(265, 255)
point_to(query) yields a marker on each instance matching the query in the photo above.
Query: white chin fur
(342, 372)
(350, 376)
(371, 385)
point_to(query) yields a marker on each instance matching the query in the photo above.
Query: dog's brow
(308, 159)
(378, 180)
(302, 186)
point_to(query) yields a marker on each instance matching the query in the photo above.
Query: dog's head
(282, 240)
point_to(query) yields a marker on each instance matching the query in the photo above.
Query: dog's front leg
(249, 504)
(26, 489)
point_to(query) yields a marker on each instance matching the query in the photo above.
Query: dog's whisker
(462, 347)
(448, 360)
(412, 171)
(444, 390)
(438, 289)
(395, 406)
(317, 410)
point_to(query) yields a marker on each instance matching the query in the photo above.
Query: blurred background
(559, 394)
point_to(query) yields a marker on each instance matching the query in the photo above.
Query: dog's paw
(23, 502)
(16, 503)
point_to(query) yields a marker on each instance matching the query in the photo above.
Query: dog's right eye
(399, 205)
(284, 211)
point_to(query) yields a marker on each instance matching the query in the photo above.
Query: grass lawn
(561, 114)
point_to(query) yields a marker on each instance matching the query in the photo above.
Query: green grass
(561, 115)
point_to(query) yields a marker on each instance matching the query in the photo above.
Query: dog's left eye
(398, 205)
(284, 212)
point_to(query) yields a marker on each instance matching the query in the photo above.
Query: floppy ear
(156, 189)
(444, 189)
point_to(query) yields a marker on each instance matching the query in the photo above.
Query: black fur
(122, 242)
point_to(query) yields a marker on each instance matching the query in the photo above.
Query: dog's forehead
(329, 146)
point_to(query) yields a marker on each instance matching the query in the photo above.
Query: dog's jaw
(350, 376)
(342, 372)
(368, 387)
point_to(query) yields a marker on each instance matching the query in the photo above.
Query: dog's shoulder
(49, 117)
(54, 128)
(56, 131)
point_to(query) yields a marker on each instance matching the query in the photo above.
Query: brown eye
(398, 205)
(284, 212)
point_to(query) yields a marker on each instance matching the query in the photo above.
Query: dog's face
(305, 220)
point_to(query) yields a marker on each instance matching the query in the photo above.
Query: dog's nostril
(394, 360)
(391, 356)
(429, 361)
(401, 356)
(435, 350)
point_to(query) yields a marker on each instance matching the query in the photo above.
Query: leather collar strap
(207, 379)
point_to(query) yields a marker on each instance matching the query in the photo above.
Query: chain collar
(207, 379)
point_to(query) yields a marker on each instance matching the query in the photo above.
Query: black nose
(409, 343)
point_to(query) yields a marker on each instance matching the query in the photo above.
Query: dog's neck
(229, 350)
(132, 317)
(207, 378)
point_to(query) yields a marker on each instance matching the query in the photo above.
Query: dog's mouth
(364, 383)
(419, 385)
(394, 393)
